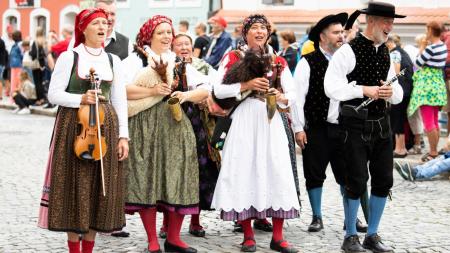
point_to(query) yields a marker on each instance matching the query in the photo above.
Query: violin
(89, 144)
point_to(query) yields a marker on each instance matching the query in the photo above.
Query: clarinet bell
(351, 111)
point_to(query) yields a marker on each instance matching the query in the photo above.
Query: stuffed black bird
(255, 63)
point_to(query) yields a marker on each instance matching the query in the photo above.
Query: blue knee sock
(344, 204)
(376, 207)
(315, 199)
(352, 213)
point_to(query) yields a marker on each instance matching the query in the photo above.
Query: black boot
(351, 244)
(316, 224)
(360, 227)
(375, 244)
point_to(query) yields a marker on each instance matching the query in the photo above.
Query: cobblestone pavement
(417, 220)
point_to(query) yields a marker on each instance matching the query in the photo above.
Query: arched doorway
(39, 17)
(67, 16)
(10, 17)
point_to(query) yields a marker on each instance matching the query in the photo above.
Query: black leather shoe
(168, 247)
(316, 224)
(375, 244)
(277, 247)
(120, 234)
(262, 225)
(162, 233)
(360, 227)
(197, 231)
(351, 244)
(237, 227)
(248, 248)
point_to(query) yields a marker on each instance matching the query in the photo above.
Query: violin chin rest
(86, 156)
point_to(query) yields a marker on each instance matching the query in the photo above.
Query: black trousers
(22, 101)
(38, 76)
(325, 145)
(368, 149)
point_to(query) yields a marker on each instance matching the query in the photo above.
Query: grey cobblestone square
(417, 220)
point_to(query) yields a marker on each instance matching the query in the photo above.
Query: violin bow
(94, 80)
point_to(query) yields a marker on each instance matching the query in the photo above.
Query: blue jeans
(2, 68)
(433, 167)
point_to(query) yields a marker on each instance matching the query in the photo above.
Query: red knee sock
(195, 221)
(173, 235)
(165, 224)
(148, 217)
(74, 247)
(278, 231)
(248, 232)
(87, 246)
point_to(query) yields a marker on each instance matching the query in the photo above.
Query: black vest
(372, 65)
(406, 80)
(119, 46)
(316, 102)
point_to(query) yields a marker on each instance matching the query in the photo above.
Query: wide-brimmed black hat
(314, 34)
(381, 9)
(374, 9)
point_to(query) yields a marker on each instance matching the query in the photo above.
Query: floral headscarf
(146, 32)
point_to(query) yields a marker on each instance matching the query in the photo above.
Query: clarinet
(370, 100)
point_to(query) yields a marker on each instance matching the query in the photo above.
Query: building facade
(131, 14)
(28, 15)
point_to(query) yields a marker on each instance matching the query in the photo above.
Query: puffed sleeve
(287, 82)
(119, 97)
(60, 80)
(222, 91)
(196, 79)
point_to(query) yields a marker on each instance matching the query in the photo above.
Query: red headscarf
(145, 33)
(83, 19)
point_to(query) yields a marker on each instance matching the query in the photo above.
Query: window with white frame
(24, 3)
(123, 3)
(278, 2)
(188, 3)
(160, 3)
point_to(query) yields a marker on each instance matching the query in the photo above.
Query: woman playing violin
(73, 199)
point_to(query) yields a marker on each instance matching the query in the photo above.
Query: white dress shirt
(61, 74)
(301, 78)
(336, 83)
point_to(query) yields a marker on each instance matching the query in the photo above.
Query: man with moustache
(354, 75)
(315, 115)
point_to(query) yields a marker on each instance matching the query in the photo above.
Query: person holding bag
(256, 179)
(37, 66)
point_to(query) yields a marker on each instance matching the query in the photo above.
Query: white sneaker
(16, 110)
(24, 111)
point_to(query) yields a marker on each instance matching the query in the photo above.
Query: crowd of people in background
(26, 64)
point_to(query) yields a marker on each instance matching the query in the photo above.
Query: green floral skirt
(429, 89)
(162, 167)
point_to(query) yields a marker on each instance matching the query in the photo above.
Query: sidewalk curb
(37, 111)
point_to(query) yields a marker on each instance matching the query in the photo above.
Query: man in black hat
(315, 116)
(354, 75)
